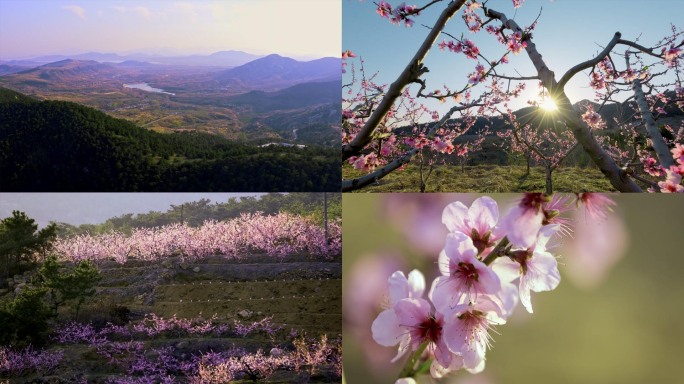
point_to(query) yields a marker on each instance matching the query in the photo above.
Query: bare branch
(589, 63)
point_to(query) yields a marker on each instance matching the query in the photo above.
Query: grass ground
(487, 179)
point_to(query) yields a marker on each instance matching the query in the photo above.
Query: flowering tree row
(487, 266)
(384, 127)
(277, 235)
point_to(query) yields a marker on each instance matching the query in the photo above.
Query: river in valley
(146, 87)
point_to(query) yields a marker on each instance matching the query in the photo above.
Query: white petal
(416, 284)
(524, 293)
(477, 369)
(474, 355)
(405, 380)
(403, 347)
(437, 371)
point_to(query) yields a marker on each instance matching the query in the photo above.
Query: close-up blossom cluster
(466, 288)
(487, 267)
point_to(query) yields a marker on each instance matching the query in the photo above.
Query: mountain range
(268, 99)
(218, 59)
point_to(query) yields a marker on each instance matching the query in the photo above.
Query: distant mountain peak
(59, 63)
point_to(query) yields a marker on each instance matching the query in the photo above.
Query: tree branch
(589, 63)
(411, 73)
(617, 176)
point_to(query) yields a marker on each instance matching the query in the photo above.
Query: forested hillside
(63, 146)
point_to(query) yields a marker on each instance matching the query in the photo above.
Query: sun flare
(547, 104)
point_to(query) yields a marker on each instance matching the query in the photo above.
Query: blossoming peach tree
(487, 267)
(385, 127)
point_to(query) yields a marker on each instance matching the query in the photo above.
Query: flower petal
(442, 353)
(524, 292)
(445, 294)
(545, 234)
(398, 287)
(507, 269)
(487, 280)
(416, 284)
(484, 214)
(412, 312)
(454, 217)
(459, 247)
(386, 330)
(522, 225)
(542, 272)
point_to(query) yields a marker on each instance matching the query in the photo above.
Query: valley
(268, 99)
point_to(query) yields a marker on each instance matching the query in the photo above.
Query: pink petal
(445, 294)
(487, 279)
(386, 330)
(454, 217)
(412, 312)
(443, 264)
(484, 214)
(507, 269)
(442, 353)
(455, 337)
(522, 226)
(542, 272)
(398, 287)
(545, 234)
(459, 247)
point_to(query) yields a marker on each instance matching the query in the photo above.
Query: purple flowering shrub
(124, 347)
(21, 362)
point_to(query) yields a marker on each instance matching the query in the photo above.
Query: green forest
(66, 147)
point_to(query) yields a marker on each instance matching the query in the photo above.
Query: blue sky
(299, 28)
(568, 32)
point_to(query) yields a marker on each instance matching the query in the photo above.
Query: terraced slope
(301, 296)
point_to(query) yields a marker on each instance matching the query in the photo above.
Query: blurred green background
(627, 329)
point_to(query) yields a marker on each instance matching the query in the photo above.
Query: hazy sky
(568, 32)
(94, 208)
(303, 28)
